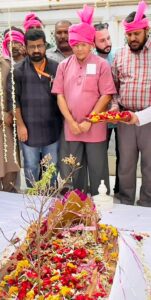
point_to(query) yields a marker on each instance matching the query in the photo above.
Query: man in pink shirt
(84, 84)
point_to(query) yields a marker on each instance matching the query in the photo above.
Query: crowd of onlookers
(56, 88)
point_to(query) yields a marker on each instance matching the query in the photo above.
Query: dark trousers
(64, 169)
(132, 141)
(95, 156)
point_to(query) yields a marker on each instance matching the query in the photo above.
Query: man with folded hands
(84, 84)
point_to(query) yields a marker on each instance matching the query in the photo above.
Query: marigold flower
(114, 255)
(55, 297)
(104, 237)
(13, 290)
(7, 277)
(65, 290)
(2, 283)
(72, 266)
(30, 295)
(55, 278)
(110, 246)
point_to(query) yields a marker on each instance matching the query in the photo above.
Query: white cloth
(144, 116)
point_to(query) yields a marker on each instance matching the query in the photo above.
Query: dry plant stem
(44, 204)
(18, 249)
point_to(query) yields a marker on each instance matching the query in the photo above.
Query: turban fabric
(85, 31)
(13, 35)
(139, 22)
(31, 20)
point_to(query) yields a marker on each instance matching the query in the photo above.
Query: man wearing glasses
(37, 114)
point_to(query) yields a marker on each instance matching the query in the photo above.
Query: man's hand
(85, 126)
(22, 133)
(74, 127)
(134, 119)
(8, 119)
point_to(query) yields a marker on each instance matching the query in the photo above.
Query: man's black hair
(13, 28)
(34, 35)
(101, 26)
(131, 16)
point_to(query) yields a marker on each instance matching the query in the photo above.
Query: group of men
(53, 101)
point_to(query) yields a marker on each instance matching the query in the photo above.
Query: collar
(57, 50)
(84, 62)
(148, 43)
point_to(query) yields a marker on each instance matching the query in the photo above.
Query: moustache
(36, 54)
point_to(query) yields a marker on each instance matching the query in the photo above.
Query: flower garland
(3, 117)
(13, 96)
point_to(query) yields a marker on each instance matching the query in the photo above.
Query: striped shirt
(132, 75)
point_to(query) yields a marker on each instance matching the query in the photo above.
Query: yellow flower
(23, 264)
(41, 298)
(91, 251)
(13, 290)
(7, 277)
(70, 265)
(65, 290)
(30, 295)
(114, 232)
(110, 246)
(55, 278)
(114, 255)
(104, 238)
(55, 297)
(103, 226)
(16, 273)
(82, 274)
(2, 283)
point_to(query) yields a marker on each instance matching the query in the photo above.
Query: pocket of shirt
(90, 83)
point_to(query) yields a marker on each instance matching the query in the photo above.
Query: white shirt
(144, 116)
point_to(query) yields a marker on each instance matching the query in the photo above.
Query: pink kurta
(82, 85)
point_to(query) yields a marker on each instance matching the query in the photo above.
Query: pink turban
(83, 32)
(13, 35)
(139, 22)
(31, 20)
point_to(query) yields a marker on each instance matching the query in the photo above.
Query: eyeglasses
(34, 47)
(101, 26)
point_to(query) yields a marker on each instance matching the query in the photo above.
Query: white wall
(112, 14)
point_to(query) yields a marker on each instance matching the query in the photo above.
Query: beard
(139, 46)
(37, 57)
(63, 45)
(103, 51)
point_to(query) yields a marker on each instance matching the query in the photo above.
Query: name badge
(91, 69)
